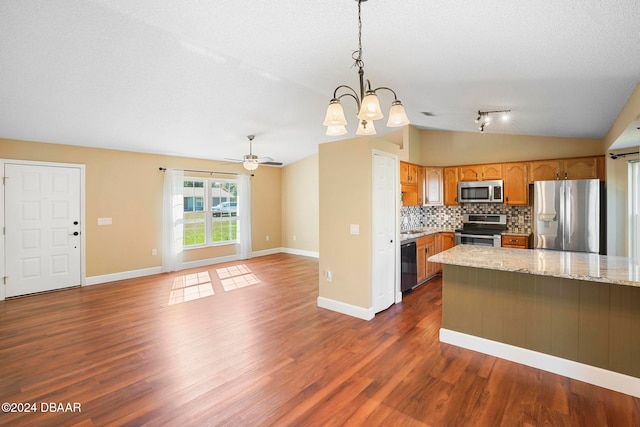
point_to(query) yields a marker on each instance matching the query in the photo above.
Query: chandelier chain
(358, 60)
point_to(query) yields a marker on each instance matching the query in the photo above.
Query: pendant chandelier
(367, 101)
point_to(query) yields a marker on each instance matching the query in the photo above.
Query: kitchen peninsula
(574, 314)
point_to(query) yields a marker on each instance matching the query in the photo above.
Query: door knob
(75, 233)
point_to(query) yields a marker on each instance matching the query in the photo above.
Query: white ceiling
(193, 78)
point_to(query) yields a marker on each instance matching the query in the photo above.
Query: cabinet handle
(557, 175)
(566, 175)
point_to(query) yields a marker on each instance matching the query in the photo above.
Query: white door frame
(3, 258)
(396, 215)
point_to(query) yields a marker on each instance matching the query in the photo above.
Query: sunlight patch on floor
(236, 276)
(191, 287)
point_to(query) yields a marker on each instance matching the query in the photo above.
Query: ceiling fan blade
(265, 159)
(271, 163)
(234, 160)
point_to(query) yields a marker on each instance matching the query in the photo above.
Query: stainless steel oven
(481, 230)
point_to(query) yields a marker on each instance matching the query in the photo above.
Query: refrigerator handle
(566, 215)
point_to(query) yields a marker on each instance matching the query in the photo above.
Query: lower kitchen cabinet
(515, 241)
(427, 246)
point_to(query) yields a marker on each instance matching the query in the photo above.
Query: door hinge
(4, 280)
(4, 180)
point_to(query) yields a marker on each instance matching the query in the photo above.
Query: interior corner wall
(127, 187)
(300, 205)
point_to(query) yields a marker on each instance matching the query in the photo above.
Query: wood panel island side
(574, 314)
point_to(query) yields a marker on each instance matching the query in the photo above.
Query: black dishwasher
(408, 266)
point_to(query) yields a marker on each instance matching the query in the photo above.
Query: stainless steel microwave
(481, 191)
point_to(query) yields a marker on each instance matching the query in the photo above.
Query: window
(212, 223)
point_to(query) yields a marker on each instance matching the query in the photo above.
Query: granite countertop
(423, 231)
(544, 262)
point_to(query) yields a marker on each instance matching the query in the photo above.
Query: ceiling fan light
(250, 164)
(336, 130)
(370, 108)
(335, 114)
(366, 128)
(397, 115)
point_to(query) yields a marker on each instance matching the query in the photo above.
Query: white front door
(42, 223)
(385, 177)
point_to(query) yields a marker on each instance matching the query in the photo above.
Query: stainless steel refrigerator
(566, 215)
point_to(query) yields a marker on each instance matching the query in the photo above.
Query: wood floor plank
(266, 355)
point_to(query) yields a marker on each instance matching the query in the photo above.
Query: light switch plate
(104, 221)
(354, 228)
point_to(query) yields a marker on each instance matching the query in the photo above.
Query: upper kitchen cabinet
(480, 172)
(409, 187)
(584, 168)
(420, 186)
(516, 185)
(574, 168)
(433, 186)
(450, 184)
(408, 173)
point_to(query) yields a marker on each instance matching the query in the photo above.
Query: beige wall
(445, 148)
(345, 171)
(127, 187)
(617, 180)
(300, 205)
(629, 113)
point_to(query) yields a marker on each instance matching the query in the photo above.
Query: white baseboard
(96, 280)
(105, 278)
(568, 368)
(301, 252)
(344, 308)
(265, 252)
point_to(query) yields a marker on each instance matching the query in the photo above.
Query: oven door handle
(479, 236)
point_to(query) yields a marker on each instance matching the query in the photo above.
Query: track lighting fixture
(484, 117)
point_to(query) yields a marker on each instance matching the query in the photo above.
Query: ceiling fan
(251, 161)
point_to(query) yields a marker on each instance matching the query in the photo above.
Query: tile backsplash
(518, 217)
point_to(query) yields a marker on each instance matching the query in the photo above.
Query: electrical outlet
(154, 252)
(294, 237)
(268, 237)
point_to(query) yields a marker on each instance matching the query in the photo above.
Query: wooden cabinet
(425, 247)
(450, 185)
(516, 185)
(583, 168)
(574, 168)
(445, 240)
(430, 245)
(480, 172)
(433, 186)
(409, 187)
(469, 173)
(420, 185)
(408, 173)
(515, 241)
(492, 171)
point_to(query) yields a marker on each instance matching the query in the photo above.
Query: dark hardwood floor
(132, 353)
